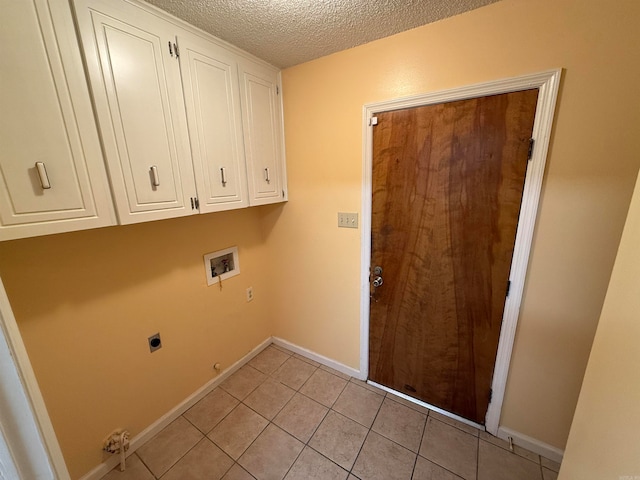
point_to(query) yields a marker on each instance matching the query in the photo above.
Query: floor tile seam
(424, 433)
(461, 430)
(369, 427)
(317, 426)
(363, 442)
(539, 462)
(248, 446)
(241, 399)
(187, 453)
(296, 389)
(446, 469)
(508, 451)
(417, 452)
(324, 456)
(217, 423)
(393, 397)
(297, 456)
(145, 465)
(276, 414)
(180, 458)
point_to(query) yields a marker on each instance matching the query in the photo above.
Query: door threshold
(427, 405)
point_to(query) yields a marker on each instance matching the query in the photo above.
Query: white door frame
(548, 83)
(28, 443)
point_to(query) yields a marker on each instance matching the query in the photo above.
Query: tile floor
(283, 416)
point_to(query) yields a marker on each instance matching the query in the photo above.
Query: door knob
(377, 270)
(377, 282)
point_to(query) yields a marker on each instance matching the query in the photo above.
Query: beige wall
(86, 302)
(593, 162)
(605, 433)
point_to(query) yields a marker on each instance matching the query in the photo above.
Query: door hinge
(531, 143)
(490, 394)
(508, 287)
(277, 90)
(373, 121)
(173, 49)
(282, 193)
(195, 203)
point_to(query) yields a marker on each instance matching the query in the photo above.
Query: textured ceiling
(289, 32)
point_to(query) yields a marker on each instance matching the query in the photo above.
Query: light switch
(347, 220)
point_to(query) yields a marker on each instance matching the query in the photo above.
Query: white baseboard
(153, 429)
(531, 444)
(352, 372)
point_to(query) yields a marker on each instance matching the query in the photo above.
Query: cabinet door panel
(262, 134)
(46, 117)
(212, 99)
(139, 102)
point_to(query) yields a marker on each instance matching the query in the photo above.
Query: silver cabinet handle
(44, 178)
(223, 176)
(155, 179)
(266, 175)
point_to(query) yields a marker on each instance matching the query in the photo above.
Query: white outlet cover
(347, 220)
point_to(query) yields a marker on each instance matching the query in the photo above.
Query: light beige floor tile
(168, 446)
(495, 463)
(269, 360)
(550, 464)
(238, 473)
(271, 455)
(206, 414)
(243, 382)
(269, 398)
(401, 424)
(238, 429)
(205, 461)
(382, 459)
(549, 474)
(358, 404)
(455, 423)
(523, 452)
(306, 359)
(323, 387)
(294, 372)
(310, 465)
(281, 348)
(426, 470)
(408, 403)
(301, 417)
(339, 438)
(335, 372)
(134, 470)
(367, 386)
(451, 448)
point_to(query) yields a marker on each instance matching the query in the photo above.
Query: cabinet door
(52, 176)
(135, 78)
(210, 84)
(263, 138)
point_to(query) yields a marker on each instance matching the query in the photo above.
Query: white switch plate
(347, 220)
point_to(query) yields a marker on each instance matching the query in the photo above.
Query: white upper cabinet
(52, 176)
(135, 79)
(212, 99)
(263, 136)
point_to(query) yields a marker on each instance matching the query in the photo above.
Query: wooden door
(447, 188)
(212, 98)
(262, 120)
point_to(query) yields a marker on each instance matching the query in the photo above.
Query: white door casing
(548, 84)
(28, 447)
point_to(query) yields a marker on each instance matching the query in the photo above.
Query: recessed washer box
(221, 264)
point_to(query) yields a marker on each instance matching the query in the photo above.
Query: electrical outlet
(347, 220)
(155, 342)
(249, 294)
